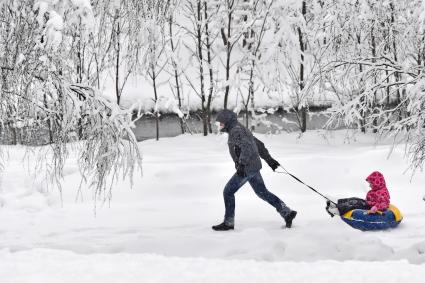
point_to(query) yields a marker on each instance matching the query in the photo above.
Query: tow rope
(310, 187)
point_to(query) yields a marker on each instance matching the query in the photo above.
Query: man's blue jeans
(257, 183)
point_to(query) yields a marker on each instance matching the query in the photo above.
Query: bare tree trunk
(303, 110)
(209, 59)
(397, 74)
(156, 100)
(117, 59)
(176, 74)
(97, 71)
(79, 80)
(373, 43)
(12, 128)
(14, 135)
(201, 67)
(226, 93)
(361, 85)
(246, 117)
(226, 38)
(250, 93)
(157, 125)
(49, 124)
(252, 109)
(80, 55)
(388, 100)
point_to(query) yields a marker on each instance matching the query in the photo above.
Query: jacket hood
(376, 179)
(228, 118)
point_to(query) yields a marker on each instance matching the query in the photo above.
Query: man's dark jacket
(244, 148)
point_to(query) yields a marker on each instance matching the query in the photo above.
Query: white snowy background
(52, 53)
(160, 231)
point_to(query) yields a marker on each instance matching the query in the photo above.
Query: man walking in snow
(246, 151)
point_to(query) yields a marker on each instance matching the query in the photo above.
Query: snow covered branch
(38, 91)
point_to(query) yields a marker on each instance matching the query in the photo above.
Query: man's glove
(273, 163)
(240, 170)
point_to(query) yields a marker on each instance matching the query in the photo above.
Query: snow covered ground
(159, 231)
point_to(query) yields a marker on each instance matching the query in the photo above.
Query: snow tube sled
(360, 219)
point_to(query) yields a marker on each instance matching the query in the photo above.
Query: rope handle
(310, 187)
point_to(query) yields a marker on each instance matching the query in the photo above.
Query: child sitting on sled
(377, 199)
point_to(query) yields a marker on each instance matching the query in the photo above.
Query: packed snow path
(49, 266)
(171, 208)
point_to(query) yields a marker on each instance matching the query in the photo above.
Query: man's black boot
(223, 227)
(288, 218)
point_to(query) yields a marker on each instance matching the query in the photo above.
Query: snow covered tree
(173, 53)
(296, 55)
(211, 34)
(153, 28)
(233, 26)
(391, 99)
(39, 86)
(201, 16)
(258, 24)
(123, 17)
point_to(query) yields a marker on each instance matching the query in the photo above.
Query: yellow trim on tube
(348, 214)
(397, 214)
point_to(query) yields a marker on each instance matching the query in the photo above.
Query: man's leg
(232, 186)
(257, 183)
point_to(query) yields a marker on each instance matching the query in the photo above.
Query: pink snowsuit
(378, 196)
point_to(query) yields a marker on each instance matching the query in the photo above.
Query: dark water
(32, 136)
(169, 126)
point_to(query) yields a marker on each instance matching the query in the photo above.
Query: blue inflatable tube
(362, 220)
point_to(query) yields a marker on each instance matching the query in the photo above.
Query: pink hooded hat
(378, 196)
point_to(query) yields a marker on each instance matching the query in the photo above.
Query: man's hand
(240, 170)
(273, 163)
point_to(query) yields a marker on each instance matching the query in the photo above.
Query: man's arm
(262, 150)
(264, 154)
